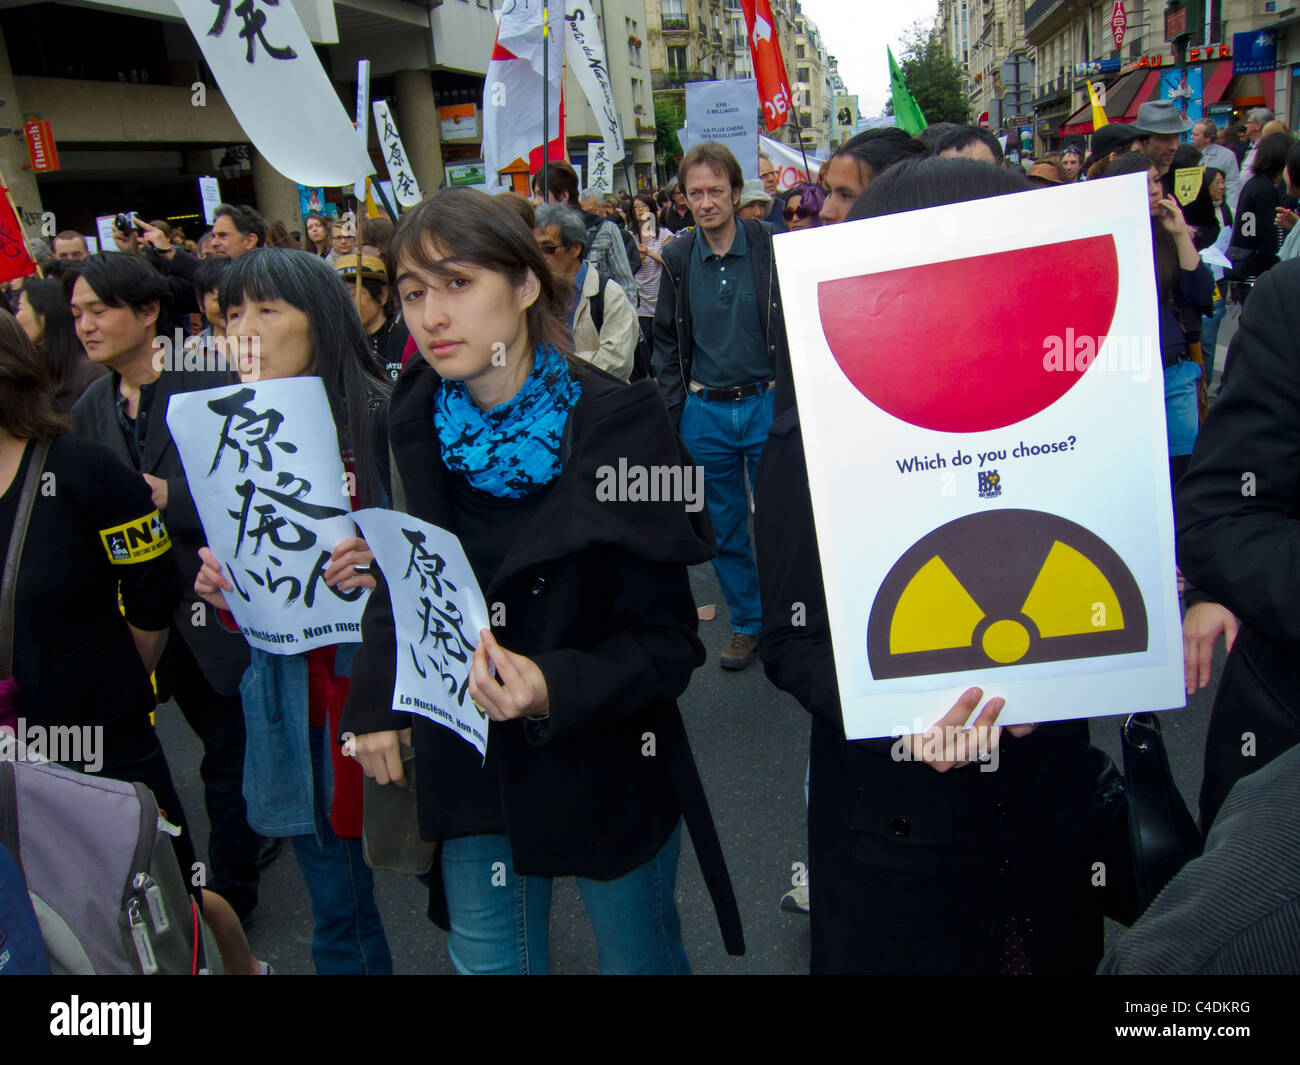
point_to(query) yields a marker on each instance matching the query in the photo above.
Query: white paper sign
(104, 227)
(262, 464)
(92, 244)
(585, 54)
(399, 166)
(727, 112)
(210, 194)
(600, 171)
(987, 457)
(438, 611)
(269, 74)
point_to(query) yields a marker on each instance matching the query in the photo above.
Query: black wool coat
(222, 655)
(911, 870)
(597, 594)
(1238, 509)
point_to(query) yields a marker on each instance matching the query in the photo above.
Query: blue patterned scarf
(514, 449)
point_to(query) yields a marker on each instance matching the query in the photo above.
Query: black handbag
(1148, 831)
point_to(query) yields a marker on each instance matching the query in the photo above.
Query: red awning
(1123, 99)
(1219, 76)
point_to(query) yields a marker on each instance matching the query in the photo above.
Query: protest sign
(727, 112)
(210, 197)
(262, 464)
(280, 95)
(399, 166)
(600, 171)
(104, 230)
(585, 53)
(987, 457)
(790, 162)
(438, 611)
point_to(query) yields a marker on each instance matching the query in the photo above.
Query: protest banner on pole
(362, 123)
(16, 259)
(399, 166)
(585, 53)
(789, 162)
(438, 611)
(519, 72)
(280, 95)
(263, 467)
(600, 171)
(726, 112)
(1010, 421)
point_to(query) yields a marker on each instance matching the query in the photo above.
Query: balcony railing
(675, 79)
(676, 22)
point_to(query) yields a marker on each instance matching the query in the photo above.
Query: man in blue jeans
(717, 335)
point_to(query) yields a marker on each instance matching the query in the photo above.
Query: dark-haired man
(858, 161)
(118, 303)
(236, 230)
(718, 334)
(604, 238)
(971, 141)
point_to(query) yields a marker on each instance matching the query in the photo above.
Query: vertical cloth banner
(907, 113)
(280, 95)
(600, 171)
(399, 166)
(789, 161)
(1025, 470)
(262, 463)
(15, 261)
(512, 90)
(362, 123)
(438, 611)
(769, 66)
(586, 55)
(210, 197)
(726, 112)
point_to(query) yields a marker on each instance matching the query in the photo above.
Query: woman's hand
(343, 571)
(1171, 217)
(211, 582)
(519, 688)
(1285, 218)
(1202, 626)
(949, 745)
(380, 755)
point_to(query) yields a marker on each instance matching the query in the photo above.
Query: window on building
(677, 59)
(674, 8)
(805, 119)
(799, 51)
(803, 74)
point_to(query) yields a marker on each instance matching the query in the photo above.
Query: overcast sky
(856, 33)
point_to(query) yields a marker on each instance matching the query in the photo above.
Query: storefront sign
(1118, 20)
(459, 122)
(1175, 23)
(1255, 53)
(1096, 66)
(40, 147)
(1206, 53)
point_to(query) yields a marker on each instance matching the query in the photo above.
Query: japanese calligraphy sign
(586, 58)
(438, 611)
(270, 76)
(262, 463)
(399, 166)
(600, 171)
(987, 456)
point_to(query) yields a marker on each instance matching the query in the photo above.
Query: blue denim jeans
(500, 922)
(348, 937)
(1210, 338)
(723, 437)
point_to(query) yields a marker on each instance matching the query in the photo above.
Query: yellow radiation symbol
(1187, 183)
(1003, 588)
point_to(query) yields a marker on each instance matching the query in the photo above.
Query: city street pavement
(750, 743)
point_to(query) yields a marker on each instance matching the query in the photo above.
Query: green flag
(907, 115)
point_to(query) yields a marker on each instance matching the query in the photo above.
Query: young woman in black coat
(1255, 239)
(502, 438)
(919, 862)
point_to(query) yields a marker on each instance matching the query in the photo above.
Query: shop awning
(1123, 99)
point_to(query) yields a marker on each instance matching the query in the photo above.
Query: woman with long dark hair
(46, 318)
(922, 863)
(652, 238)
(1185, 289)
(594, 633)
(303, 324)
(318, 235)
(1255, 238)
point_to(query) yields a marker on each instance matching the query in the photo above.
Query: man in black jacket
(1239, 536)
(718, 335)
(117, 303)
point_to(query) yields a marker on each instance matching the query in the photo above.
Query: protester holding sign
(304, 324)
(923, 862)
(588, 771)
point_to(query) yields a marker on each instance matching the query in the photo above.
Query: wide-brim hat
(1161, 117)
(1046, 171)
(754, 192)
(346, 267)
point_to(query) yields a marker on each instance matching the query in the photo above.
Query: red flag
(769, 67)
(14, 260)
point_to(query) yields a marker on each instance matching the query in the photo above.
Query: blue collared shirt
(730, 347)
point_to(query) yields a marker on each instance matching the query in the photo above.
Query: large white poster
(269, 74)
(438, 611)
(262, 464)
(727, 112)
(982, 408)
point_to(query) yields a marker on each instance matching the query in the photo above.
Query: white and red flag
(512, 90)
(769, 67)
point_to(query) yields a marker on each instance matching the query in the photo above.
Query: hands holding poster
(982, 408)
(438, 611)
(262, 464)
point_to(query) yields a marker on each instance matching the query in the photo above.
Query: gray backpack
(102, 874)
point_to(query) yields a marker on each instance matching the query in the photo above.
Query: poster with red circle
(982, 403)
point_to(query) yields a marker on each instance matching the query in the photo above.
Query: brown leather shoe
(739, 651)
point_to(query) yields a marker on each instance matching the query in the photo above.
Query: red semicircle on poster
(962, 346)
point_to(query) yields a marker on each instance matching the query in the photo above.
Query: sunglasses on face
(798, 212)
